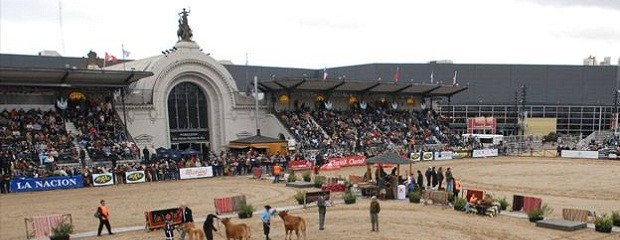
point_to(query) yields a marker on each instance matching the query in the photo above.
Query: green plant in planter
(299, 197)
(347, 184)
(459, 204)
(503, 203)
(318, 182)
(292, 177)
(537, 215)
(414, 197)
(62, 231)
(603, 224)
(246, 211)
(616, 218)
(349, 197)
(306, 177)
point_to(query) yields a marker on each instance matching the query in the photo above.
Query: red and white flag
(397, 74)
(110, 58)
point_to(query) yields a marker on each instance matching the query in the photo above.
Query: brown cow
(193, 232)
(239, 231)
(293, 223)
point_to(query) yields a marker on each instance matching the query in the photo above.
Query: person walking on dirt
(375, 208)
(208, 226)
(103, 214)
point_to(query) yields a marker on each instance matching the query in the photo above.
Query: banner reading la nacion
(44, 184)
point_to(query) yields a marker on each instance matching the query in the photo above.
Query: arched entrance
(188, 118)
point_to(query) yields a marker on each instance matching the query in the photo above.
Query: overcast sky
(318, 33)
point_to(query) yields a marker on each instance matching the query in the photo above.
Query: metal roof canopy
(360, 86)
(45, 77)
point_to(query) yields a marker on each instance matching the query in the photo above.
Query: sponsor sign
(580, 154)
(103, 179)
(314, 196)
(484, 153)
(196, 172)
(45, 184)
(157, 218)
(427, 156)
(189, 136)
(143, 139)
(461, 154)
(415, 156)
(612, 156)
(446, 155)
(300, 165)
(135, 177)
(348, 161)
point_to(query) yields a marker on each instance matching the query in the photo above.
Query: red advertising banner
(348, 161)
(300, 165)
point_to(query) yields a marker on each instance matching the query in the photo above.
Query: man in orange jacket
(277, 170)
(103, 213)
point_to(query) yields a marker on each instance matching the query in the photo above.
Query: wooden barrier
(40, 227)
(229, 204)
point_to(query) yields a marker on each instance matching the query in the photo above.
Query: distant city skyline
(318, 34)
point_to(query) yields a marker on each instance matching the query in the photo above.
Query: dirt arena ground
(584, 184)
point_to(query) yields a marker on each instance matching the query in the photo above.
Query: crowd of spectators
(307, 134)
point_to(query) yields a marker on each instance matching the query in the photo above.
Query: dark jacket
(187, 215)
(375, 207)
(208, 225)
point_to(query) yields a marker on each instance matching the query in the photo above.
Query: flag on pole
(432, 73)
(454, 78)
(126, 53)
(325, 73)
(110, 58)
(397, 74)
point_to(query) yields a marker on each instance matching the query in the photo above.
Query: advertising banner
(415, 156)
(427, 156)
(300, 165)
(484, 153)
(103, 179)
(196, 172)
(348, 161)
(580, 154)
(157, 218)
(446, 155)
(45, 184)
(135, 177)
(461, 154)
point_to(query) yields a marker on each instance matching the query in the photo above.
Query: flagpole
(123, 53)
(256, 103)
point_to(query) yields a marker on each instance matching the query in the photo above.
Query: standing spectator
(375, 208)
(439, 178)
(169, 230)
(428, 177)
(188, 219)
(146, 154)
(434, 178)
(103, 213)
(420, 180)
(265, 217)
(208, 226)
(322, 204)
(457, 186)
(449, 180)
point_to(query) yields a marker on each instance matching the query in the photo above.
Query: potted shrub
(318, 182)
(306, 177)
(299, 196)
(62, 231)
(616, 218)
(349, 197)
(291, 177)
(459, 204)
(537, 215)
(246, 211)
(503, 203)
(414, 197)
(603, 224)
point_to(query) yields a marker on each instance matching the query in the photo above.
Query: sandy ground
(585, 184)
